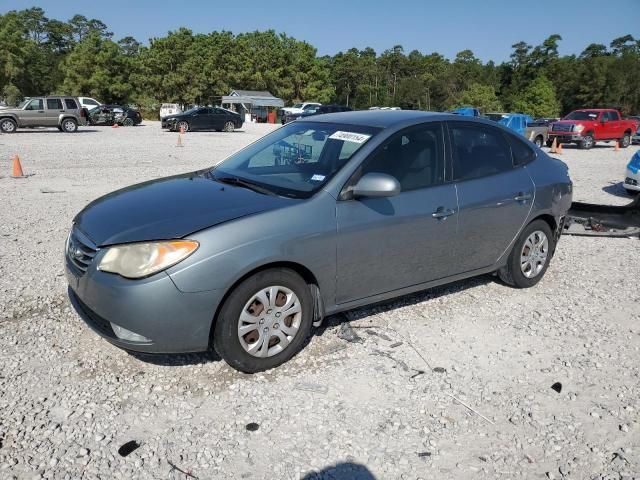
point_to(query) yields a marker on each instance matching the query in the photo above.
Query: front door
(34, 113)
(386, 244)
(494, 195)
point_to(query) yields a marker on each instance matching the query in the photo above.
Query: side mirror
(604, 120)
(376, 185)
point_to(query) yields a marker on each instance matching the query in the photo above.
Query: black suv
(317, 110)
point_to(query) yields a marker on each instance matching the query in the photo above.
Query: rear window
(478, 151)
(54, 104)
(70, 103)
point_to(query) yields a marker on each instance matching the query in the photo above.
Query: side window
(70, 103)
(613, 116)
(88, 101)
(35, 104)
(522, 153)
(54, 104)
(415, 157)
(478, 151)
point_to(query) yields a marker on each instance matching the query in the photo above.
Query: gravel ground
(455, 382)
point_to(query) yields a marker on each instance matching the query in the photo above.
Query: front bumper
(173, 321)
(564, 137)
(632, 180)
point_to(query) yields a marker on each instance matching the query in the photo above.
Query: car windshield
(192, 110)
(24, 102)
(582, 115)
(297, 159)
(297, 105)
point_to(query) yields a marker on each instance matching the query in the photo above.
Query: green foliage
(538, 99)
(480, 96)
(39, 56)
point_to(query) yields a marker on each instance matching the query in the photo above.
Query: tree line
(41, 56)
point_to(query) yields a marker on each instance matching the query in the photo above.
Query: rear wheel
(625, 141)
(265, 321)
(69, 125)
(530, 256)
(587, 142)
(539, 141)
(7, 125)
(229, 127)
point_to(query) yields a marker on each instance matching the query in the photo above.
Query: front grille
(562, 127)
(80, 251)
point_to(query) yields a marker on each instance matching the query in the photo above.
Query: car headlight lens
(578, 128)
(137, 260)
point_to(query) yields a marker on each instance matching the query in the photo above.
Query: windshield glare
(582, 115)
(297, 159)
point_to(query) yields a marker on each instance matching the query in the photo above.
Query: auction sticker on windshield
(350, 136)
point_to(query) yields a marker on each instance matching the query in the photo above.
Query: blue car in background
(632, 178)
(466, 112)
(522, 124)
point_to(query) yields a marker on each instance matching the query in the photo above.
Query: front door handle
(522, 197)
(441, 213)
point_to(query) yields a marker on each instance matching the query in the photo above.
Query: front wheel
(127, 122)
(587, 142)
(530, 256)
(229, 127)
(184, 126)
(265, 321)
(625, 141)
(7, 125)
(69, 125)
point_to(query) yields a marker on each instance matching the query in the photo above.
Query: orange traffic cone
(559, 149)
(554, 146)
(179, 144)
(617, 148)
(115, 125)
(17, 167)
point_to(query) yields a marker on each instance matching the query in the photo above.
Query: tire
(587, 142)
(625, 141)
(127, 122)
(229, 127)
(549, 143)
(182, 124)
(69, 125)
(538, 141)
(234, 348)
(8, 125)
(518, 274)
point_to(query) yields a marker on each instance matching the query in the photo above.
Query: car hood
(171, 207)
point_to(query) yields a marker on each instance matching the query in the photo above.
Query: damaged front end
(588, 219)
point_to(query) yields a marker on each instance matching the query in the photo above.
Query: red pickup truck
(586, 127)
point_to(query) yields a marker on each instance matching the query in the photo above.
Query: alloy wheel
(69, 126)
(535, 252)
(8, 126)
(228, 127)
(184, 126)
(269, 321)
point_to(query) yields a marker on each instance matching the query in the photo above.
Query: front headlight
(578, 128)
(137, 260)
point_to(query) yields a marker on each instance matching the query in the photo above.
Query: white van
(167, 109)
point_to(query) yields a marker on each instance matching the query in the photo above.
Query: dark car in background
(323, 215)
(114, 114)
(203, 118)
(315, 110)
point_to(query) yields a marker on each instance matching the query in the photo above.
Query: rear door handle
(441, 213)
(522, 197)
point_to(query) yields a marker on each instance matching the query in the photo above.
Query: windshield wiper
(244, 183)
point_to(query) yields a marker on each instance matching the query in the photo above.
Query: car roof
(390, 118)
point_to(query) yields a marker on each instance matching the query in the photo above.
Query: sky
(487, 27)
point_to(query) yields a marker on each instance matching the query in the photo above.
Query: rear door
(55, 108)
(494, 195)
(385, 244)
(34, 113)
(616, 128)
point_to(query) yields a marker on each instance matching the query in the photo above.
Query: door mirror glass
(376, 185)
